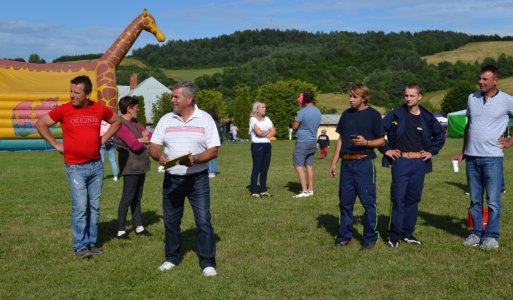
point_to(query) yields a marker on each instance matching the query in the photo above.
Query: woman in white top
(261, 130)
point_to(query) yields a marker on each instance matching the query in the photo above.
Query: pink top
(105, 126)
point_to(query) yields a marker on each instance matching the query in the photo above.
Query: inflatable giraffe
(29, 90)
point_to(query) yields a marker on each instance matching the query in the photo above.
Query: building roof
(150, 88)
(330, 119)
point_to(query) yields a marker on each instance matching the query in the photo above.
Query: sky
(55, 28)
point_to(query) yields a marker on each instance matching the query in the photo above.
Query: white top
(196, 135)
(264, 125)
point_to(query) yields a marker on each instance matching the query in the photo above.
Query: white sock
(139, 229)
(120, 233)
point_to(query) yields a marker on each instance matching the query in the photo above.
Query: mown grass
(340, 102)
(472, 52)
(278, 248)
(190, 74)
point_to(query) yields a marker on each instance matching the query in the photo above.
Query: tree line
(333, 61)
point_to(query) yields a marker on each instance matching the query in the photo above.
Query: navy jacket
(433, 135)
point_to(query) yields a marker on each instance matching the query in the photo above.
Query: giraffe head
(150, 25)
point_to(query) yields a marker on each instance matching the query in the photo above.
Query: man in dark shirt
(413, 136)
(360, 130)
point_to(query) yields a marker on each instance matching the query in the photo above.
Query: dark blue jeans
(197, 189)
(261, 153)
(405, 191)
(357, 178)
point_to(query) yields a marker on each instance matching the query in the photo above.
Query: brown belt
(411, 154)
(354, 156)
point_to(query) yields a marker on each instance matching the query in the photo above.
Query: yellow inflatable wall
(28, 91)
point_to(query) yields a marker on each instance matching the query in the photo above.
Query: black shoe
(144, 233)
(124, 237)
(95, 250)
(83, 253)
(393, 243)
(367, 247)
(412, 241)
(341, 244)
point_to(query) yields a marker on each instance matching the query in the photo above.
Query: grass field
(340, 102)
(190, 74)
(472, 52)
(278, 248)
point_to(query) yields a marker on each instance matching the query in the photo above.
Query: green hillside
(340, 102)
(190, 74)
(472, 52)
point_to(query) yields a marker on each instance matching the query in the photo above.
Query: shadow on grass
(189, 240)
(294, 187)
(109, 230)
(449, 224)
(330, 224)
(463, 187)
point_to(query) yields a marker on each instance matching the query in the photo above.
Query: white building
(151, 89)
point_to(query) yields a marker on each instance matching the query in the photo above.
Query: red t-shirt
(81, 130)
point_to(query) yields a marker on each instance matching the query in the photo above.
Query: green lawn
(472, 52)
(276, 248)
(190, 74)
(340, 102)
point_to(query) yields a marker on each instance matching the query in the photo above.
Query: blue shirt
(487, 122)
(309, 119)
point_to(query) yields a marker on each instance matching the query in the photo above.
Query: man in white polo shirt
(186, 130)
(488, 112)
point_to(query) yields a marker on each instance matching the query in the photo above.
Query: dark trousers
(197, 189)
(261, 153)
(405, 192)
(133, 186)
(357, 178)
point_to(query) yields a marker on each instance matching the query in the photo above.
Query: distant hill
(472, 52)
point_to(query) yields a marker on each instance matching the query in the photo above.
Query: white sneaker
(209, 272)
(115, 178)
(211, 175)
(166, 266)
(310, 192)
(303, 195)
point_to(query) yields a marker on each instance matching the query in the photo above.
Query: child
(324, 143)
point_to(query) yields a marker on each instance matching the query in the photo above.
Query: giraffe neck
(118, 50)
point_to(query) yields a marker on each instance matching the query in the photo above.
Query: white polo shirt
(196, 135)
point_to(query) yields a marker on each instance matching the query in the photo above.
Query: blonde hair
(360, 90)
(254, 110)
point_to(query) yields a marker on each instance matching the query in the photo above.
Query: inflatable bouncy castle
(28, 91)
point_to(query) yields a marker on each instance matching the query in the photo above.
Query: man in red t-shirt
(80, 122)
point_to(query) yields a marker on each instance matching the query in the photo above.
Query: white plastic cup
(455, 167)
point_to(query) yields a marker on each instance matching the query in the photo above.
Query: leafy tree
(281, 101)
(141, 115)
(457, 97)
(242, 109)
(211, 100)
(34, 58)
(161, 107)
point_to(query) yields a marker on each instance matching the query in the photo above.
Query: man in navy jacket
(414, 136)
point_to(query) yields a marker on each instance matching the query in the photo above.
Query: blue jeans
(197, 189)
(112, 157)
(405, 192)
(357, 178)
(485, 174)
(212, 166)
(261, 154)
(86, 182)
